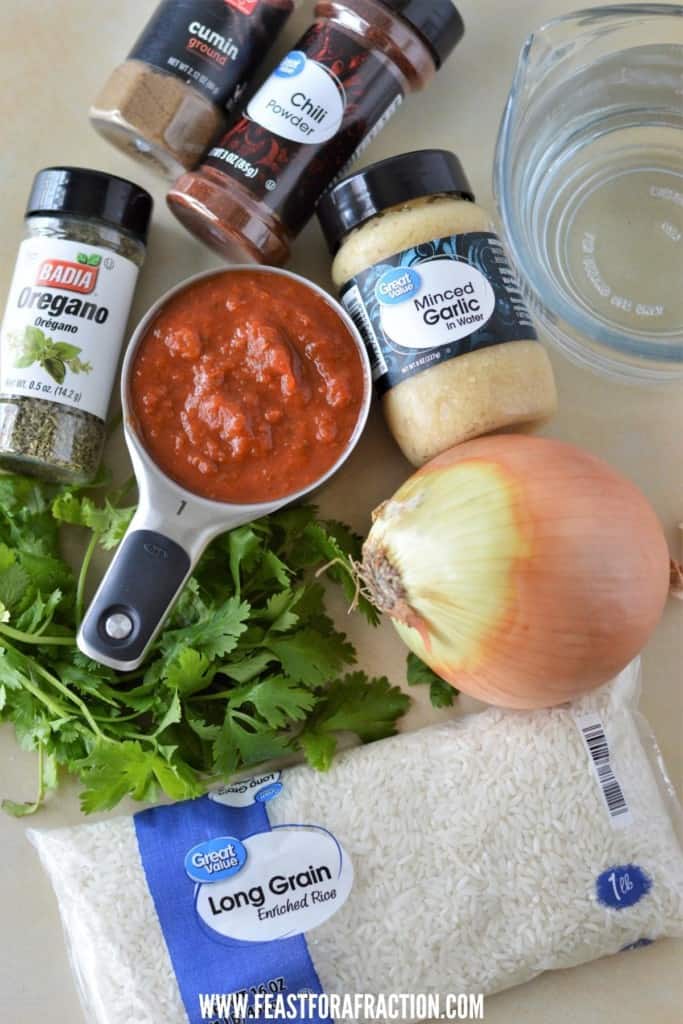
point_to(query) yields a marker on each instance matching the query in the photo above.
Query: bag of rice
(468, 857)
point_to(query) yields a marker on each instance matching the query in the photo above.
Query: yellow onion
(524, 571)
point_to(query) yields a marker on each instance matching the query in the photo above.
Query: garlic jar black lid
(400, 179)
(80, 192)
(438, 22)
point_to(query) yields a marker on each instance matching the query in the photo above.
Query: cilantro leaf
(11, 670)
(441, 693)
(319, 749)
(215, 634)
(279, 612)
(310, 657)
(189, 672)
(115, 770)
(244, 544)
(368, 708)
(109, 523)
(246, 668)
(173, 714)
(14, 585)
(277, 699)
(339, 548)
(241, 741)
(40, 613)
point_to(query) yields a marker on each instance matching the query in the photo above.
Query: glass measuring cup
(589, 184)
(172, 527)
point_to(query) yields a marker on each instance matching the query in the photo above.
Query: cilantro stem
(127, 677)
(48, 622)
(56, 708)
(36, 638)
(121, 492)
(59, 685)
(82, 577)
(121, 718)
(25, 809)
(243, 717)
(226, 695)
(41, 782)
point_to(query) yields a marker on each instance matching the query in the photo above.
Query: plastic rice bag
(468, 857)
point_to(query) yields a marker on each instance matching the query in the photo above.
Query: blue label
(640, 944)
(622, 886)
(268, 793)
(202, 962)
(291, 65)
(398, 285)
(435, 302)
(216, 859)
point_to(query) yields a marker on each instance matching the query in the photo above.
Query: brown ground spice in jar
(169, 117)
(259, 184)
(166, 103)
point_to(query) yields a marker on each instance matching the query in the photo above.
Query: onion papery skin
(523, 570)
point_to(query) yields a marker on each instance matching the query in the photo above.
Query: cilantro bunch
(248, 667)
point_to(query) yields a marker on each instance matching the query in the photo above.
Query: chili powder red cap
(438, 22)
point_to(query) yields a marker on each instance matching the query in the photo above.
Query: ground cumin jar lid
(389, 183)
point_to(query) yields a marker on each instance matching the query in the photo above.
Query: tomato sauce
(247, 387)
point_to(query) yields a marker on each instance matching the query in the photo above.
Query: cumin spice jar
(168, 100)
(330, 96)
(453, 349)
(66, 315)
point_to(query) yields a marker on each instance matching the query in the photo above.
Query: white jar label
(293, 879)
(435, 302)
(415, 303)
(302, 101)
(64, 323)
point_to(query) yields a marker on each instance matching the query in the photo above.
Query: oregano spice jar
(66, 314)
(259, 184)
(168, 100)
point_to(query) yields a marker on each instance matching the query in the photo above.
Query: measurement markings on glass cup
(595, 740)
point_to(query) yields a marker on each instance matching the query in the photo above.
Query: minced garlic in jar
(453, 348)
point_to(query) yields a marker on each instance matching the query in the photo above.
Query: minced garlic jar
(453, 348)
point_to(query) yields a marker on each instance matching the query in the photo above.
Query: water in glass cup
(589, 181)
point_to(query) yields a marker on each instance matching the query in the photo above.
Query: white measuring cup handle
(144, 579)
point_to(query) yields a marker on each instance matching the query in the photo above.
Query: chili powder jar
(169, 99)
(65, 320)
(330, 96)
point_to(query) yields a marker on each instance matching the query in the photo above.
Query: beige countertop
(54, 58)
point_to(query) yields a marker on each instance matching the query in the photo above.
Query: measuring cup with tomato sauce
(243, 391)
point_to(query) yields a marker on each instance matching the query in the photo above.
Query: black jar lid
(437, 21)
(80, 192)
(400, 179)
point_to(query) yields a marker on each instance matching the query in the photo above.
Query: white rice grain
(476, 847)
